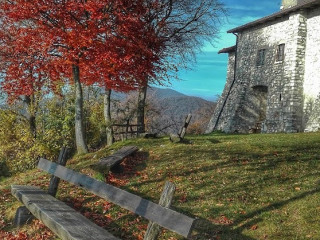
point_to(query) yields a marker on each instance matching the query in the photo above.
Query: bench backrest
(165, 217)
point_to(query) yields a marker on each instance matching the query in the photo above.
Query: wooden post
(179, 138)
(153, 230)
(54, 181)
(131, 131)
(127, 129)
(184, 128)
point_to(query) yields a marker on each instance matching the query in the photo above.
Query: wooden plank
(126, 132)
(54, 181)
(124, 125)
(64, 221)
(105, 164)
(166, 218)
(153, 229)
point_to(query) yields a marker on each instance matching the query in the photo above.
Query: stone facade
(289, 3)
(274, 94)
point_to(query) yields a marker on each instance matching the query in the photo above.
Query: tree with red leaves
(23, 68)
(85, 42)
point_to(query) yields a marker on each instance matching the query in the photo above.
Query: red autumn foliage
(108, 40)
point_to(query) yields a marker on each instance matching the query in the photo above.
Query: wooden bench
(112, 162)
(67, 223)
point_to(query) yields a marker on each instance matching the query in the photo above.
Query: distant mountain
(176, 108)
(158, 93)
(161, 93)
(118, 95)
(167, 109)
(173, 108)
(183, 105)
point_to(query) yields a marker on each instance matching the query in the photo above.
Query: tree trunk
(79, 131)
(31, 114)
(141, 107)
(107, 116)
(32, 125)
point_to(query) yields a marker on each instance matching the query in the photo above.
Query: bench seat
(63, 220)
(113, 161)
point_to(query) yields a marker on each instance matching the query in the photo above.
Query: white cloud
(247, 19)
(201, 90)
(245, 8)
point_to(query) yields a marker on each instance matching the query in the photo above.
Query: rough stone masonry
(273, 78)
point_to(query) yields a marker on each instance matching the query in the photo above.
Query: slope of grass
(238, 186)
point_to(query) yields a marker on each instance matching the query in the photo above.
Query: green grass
(238, 186)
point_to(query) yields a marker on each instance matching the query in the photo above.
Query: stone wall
(269, 96)
(224, 109)
(312, 73)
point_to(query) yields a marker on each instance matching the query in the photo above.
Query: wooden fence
(125, 131)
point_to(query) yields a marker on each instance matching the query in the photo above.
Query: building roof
(228, 50)
(304, 4)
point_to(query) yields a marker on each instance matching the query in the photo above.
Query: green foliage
(95, 124)
(18, 149)
(56, 123)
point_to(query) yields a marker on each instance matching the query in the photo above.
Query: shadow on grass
(204, 229)
(273, 206)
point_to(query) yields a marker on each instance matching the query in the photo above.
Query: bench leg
(116, 168)
(154, 229)
(22, 216)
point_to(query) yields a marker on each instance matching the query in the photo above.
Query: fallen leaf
(254, 227)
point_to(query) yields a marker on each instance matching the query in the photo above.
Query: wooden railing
(125, 131)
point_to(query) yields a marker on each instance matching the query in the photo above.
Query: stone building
(273, 76)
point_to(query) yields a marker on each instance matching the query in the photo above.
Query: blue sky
(208, 76)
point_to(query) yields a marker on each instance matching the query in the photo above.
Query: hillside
(158, 93)
(178, 105)
(176, 108)
(162, 93)
(167, 109)
(242, 187)
(182, 105)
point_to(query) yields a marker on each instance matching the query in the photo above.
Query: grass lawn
(263, 186)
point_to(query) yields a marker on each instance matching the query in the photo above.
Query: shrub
(18, 149)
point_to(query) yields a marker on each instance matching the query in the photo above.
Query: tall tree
(107, 116)
(183, 27)
(22, 68)
(89, 42)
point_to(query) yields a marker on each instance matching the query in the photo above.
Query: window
(261, 57)
(280, 53)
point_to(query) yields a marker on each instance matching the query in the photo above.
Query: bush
(55, 123)
(18, 149)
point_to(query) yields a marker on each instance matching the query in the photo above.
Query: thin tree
(107, 116)
(183, 27)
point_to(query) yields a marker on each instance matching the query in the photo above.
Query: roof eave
(228, 50)
(303, 5)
